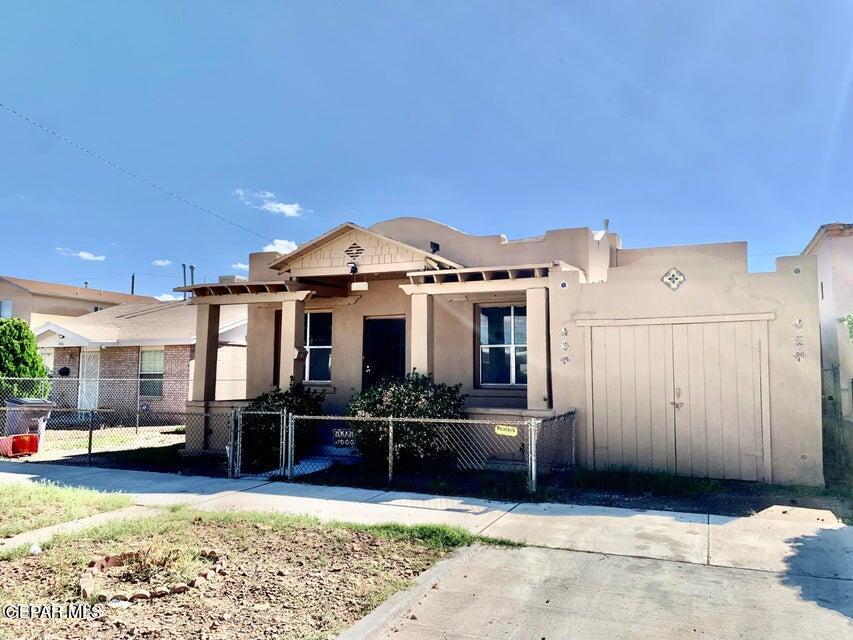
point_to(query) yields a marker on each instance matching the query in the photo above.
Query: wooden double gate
(685, 396)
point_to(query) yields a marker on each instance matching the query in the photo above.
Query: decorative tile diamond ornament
(354, 250)
(673, 278)
(564, 332)
(799, 355)
(564, 346)
(565, 359)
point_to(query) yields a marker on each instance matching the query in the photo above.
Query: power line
(128, 172)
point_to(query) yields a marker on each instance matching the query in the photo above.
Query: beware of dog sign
(506, 430)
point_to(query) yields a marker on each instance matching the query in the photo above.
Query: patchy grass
(293, 576)
(32, 505)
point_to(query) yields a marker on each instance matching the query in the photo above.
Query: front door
(90, 370)
(383, 350)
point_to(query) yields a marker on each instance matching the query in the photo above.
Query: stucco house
(137, 355)
(20, 298)
(832, 245)
(676, 359)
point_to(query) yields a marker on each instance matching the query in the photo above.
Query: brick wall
(115, 391)
(63, 390)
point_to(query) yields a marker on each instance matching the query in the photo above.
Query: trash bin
(27, 415)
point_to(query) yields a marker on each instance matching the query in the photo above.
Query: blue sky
(681, 122)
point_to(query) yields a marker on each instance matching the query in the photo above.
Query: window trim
(162, 374)
(309, 348)
(512, 346)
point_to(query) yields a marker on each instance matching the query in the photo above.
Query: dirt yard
(286, 577)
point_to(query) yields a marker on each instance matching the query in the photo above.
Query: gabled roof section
(135, 324)
(357, 253)
(54, 289)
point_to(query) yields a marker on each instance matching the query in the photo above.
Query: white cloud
(168, 297)
(266, 201)
(282, 246)
(161, 263)
(240, 266)
(83, 255)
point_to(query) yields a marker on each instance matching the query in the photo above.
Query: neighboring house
(20, 298)
(137, 355)
(676, 359)
(833, 247)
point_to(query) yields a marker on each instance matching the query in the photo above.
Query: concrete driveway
(489, 592)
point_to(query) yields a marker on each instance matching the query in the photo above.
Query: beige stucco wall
(835, 272)
(717, 283)
(24, 303)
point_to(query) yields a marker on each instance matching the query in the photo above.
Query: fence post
(283, 424)
(238, 445)
(532, 429)
(89, 457)
(291, 434)
(233, 453)
(390, 449)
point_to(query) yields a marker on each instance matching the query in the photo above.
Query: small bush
(415, 396)
(261, 435)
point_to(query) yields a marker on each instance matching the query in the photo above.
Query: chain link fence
(120, 439)
(418, 453)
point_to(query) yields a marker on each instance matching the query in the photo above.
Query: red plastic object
(22, 444)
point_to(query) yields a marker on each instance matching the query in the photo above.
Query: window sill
(499, 390)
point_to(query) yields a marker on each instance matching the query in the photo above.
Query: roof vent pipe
(606, 225)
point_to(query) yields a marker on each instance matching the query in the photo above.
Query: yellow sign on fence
(506, 430)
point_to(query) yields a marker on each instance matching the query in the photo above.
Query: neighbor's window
(46, 354)
(503, 345)
(152, 364)
(318, 342)
(5, 308)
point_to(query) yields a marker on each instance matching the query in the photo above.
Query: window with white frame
(318, 342)
(503, 345)
(5, 308)
(152, 366)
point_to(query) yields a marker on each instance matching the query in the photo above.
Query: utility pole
(132, 283)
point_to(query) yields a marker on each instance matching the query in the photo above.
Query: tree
(849, 321)
(19, 358)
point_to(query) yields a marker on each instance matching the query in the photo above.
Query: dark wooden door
(383, 350)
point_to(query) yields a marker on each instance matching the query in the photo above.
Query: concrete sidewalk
(787, 540)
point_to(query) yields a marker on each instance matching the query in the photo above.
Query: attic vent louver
(354, 251)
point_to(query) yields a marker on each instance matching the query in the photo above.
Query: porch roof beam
(475, 286)
(252, 298)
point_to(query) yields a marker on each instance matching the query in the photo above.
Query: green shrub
(19, 358)
(261, 435)
(415, 396)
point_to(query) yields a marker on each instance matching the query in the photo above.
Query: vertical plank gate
(681, 397)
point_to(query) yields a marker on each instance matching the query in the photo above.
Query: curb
(386, 614)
